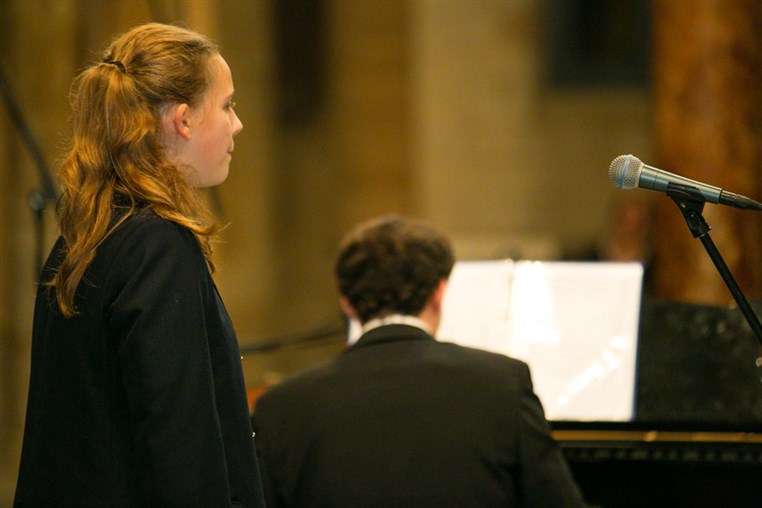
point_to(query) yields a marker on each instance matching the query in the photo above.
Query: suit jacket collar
(390, 333)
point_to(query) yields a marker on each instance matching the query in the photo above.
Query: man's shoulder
(479, 356)
(397, 356)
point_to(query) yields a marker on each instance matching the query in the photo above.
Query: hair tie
(118, 64)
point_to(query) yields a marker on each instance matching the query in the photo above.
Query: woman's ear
(177, 120)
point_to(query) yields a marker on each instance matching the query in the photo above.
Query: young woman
(136, 395)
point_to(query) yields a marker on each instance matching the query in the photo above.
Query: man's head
(392, 265)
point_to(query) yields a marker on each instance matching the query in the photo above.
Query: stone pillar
(708, 127)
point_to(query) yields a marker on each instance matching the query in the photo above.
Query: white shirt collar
(356, 331)
(396, 319)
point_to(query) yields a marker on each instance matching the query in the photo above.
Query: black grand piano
(696, 438)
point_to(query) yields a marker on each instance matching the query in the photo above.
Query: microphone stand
(690, 202)
(39, 198)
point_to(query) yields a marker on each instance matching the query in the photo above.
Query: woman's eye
(231, 105)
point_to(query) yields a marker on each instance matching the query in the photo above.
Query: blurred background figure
(629, 233)
(627, 236)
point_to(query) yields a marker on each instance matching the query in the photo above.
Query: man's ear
(431, 314)
(177, 117)
(438, 295)
(347, 308)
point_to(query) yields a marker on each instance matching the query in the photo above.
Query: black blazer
(402, 420)
(140, 399)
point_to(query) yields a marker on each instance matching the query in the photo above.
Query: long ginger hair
(117, 154)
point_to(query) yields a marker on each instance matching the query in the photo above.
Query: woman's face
(205, 144)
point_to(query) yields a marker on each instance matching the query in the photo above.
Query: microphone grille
(625, 171)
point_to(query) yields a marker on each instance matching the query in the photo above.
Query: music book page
(574, 323)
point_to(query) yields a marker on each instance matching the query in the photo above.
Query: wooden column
(708, 120)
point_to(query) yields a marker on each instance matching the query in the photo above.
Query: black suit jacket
(139, 400)
(402, 420)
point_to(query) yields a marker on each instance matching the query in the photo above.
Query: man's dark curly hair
(392, 265)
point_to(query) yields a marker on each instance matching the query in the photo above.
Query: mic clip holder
(690, 202)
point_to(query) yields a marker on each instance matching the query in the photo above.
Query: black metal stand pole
(47, 193)
(691, 203)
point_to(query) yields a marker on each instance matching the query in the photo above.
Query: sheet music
(575, 324)
(477, 305)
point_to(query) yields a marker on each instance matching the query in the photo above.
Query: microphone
(628, 172)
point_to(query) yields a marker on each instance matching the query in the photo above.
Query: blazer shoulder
(482, 356)
(145, 222)
(146, 234)
(496, 368)
(146, 247)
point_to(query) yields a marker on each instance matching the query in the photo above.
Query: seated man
(400, 419)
